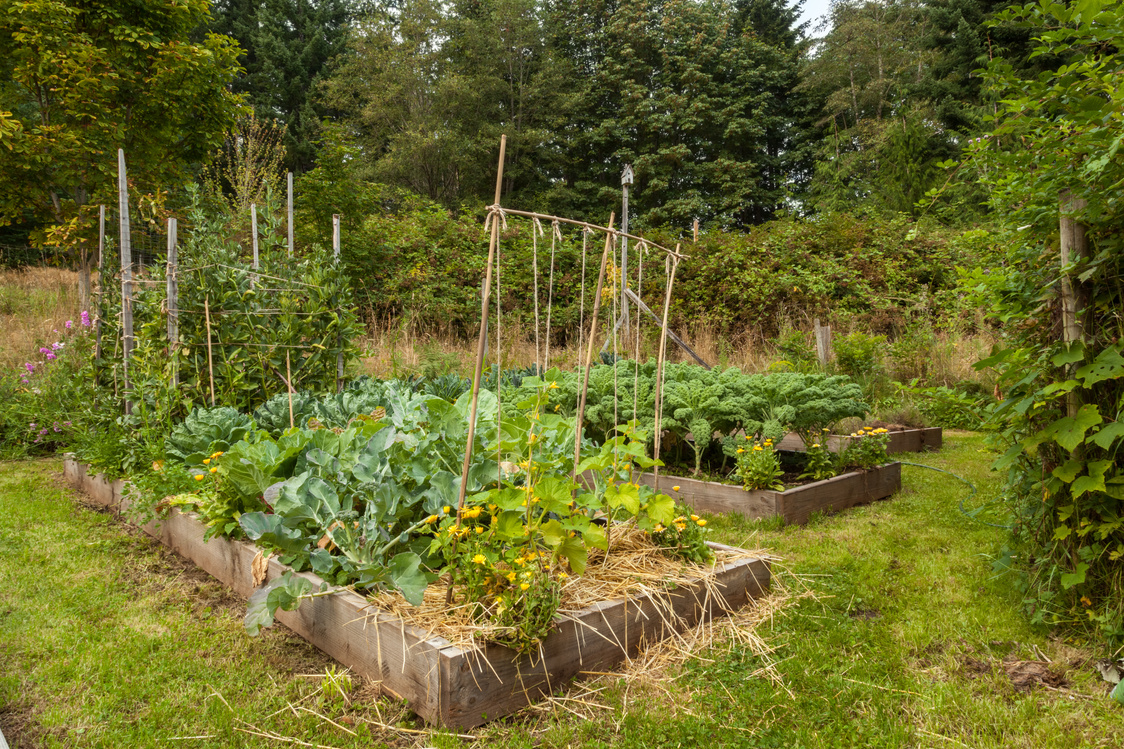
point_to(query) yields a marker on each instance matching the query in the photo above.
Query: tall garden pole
(101, 280)
(289, 202)
(126, 274)
(173, 301)
(254, 232)
(589, 349)
(481, 340)
(336, 257)
(659, 368)
(1073, 247)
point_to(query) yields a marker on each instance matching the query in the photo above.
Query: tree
(81, 79)
(288, 46)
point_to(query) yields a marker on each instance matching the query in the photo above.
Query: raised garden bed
(901, 441)
(445, 684)
(795, 505)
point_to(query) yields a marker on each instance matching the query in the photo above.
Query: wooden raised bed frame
(451, 686)
(902, 441)
(796, 505)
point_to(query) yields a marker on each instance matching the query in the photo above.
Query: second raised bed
(795, 505)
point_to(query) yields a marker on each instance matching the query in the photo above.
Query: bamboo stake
(126, 275)
(480, 341)
(289, 386)
(173, 300)
(589, 350)
(592, 227)
(210, 357)
(659, 372)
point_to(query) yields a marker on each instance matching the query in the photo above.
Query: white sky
(813, 9)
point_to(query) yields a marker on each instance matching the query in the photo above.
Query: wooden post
(254, 232)
(823, 342)
(1073, 247)
(482, 338)
(173, 301)
(101, 281)
(695, 232)
(210, 357)
(339, 341)
(289, 180)
(589, 350)
(659, 368)
(289, 387)
(126, 276)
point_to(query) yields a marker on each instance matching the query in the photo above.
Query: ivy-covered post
(289, 209)
(101, 285)
(1073, 247)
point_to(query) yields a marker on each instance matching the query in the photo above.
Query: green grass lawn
(903, 638)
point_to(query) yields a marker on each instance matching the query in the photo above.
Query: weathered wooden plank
(904, 441)
(453, 686)
(483, 683)
(795, 505)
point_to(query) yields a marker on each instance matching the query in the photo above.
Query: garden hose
(971, 494)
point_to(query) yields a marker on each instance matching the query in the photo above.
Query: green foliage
(758, 466)
(961, 407)
(857, 354)
(1060, 420)
(865, 449)
(85, 78)
(205, 431)
(820, 462)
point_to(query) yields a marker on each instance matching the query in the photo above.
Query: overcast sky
(813, 9)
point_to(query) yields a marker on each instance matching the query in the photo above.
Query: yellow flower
(740, 450)
(694, 517)
(562, 576)
(479, 559)
(757, 448)
(431, 519)
(495, 520)
(681, 526)
(815, 444)
(479, 529)
(524, 586)
(206, 461)
(854, 435)
(520, 561)
(532, 439)
(701, 522)
(675, 488)
(198, 477)
(553, 386)
(446, 509)
(826, 429)
(1085, 601)
(214, 469)
(511, 576)
(659, 528)
(558, 407)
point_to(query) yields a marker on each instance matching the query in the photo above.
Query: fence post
(339, 339)
(101, 281)
(290, 211)
(173, 301)
(254, 231)
(126, 275)
(1073, 247)
(823, 342)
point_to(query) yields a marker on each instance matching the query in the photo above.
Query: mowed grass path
(904, 638)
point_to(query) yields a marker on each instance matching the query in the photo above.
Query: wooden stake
(254, 231)
(126, 276)
(589, 349)
(289, 179)
(695, 232)
(101, 281)
(172, 274)
(823, 342)
(339, 342)
(1073, 247)
(659, 371)
(289, 386)
(210, 357)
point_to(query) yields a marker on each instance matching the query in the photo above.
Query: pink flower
(69, 324)
(30, 367)
(44, 350)
(85, 319)
(51, 355)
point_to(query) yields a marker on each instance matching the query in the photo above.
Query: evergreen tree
(289, 45)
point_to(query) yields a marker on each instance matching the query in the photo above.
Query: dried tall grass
(34, 302)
